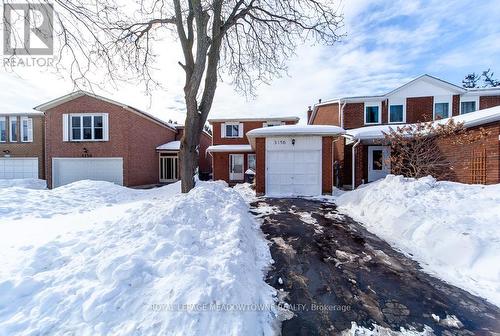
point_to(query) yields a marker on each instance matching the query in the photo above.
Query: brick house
(22, 145)
(231, 151)
(92, 137)
(425, 98)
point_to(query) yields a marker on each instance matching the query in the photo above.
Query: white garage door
(18, 168)
(293, 166)
(67, 170)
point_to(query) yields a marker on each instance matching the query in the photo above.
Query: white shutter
(30, 129)
(105, 126)
(222, 130)
(240, 130)
(65, 124)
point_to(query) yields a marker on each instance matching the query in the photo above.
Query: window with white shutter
(232, 130)
(86, 127)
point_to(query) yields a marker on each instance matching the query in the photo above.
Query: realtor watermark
(28, 34)
(224, 307)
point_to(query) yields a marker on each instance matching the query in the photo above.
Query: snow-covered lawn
(97, 259)
(452, 229)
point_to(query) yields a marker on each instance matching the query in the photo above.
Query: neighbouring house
(21, 145)
(232, 154)
(361, 157)
(93, 137)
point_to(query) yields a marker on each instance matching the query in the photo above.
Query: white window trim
(396, 102)
(442, 99)
(232, 124)
(468, 99)
(4, 119)
(30, 129)
(105, 127)
(273, 123)
(11, 119)
(379, 113)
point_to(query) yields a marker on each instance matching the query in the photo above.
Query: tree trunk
(189, 151)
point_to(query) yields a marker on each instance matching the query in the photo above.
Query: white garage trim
(18, 167)
(100, 169)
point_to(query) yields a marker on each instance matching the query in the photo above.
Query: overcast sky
(387, 43)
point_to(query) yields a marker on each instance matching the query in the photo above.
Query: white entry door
(293, 166)
(378, 162)
(68, 170)
(236, 163)
(18, 168)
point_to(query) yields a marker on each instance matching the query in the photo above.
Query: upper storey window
(372, 114)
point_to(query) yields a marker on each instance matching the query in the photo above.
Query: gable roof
(77, 94)
(428, 78)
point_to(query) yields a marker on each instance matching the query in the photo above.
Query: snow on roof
(472, 119)
(255, 119)
(229, 148)
(172, 145)
(27, 113)
(296, 130)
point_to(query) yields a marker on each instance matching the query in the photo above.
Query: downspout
(354, 163)
(342, 113)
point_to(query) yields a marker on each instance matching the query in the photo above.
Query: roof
(77, 94)
(170, 146)
(28, 113)
(229, 148)
(296, 119)
(477, 118)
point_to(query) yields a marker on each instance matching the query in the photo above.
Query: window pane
(75, 121)
(75, 135)
(98, 133)
(251, 162)
(97, 121)
(235, 130)
(25, 130)
(441, 110)
(87, 121)
(87, 133)
(3, 130)
(13, 130)
(371, 114)
(396, 113)
(468, 107)
(377, 160)
(229, 130)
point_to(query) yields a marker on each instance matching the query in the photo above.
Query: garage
(18, 168)
(293, 166)
(294, 160)
(68, 170)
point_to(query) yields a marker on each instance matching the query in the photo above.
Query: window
(251, 162)
(3, 129)
(26, 129)
(232, 130)
(441, 110)
(396, 113)
(467, 107)
(13, 129)
(372, 114)
(377, 159)
(87, 127)
(273, 123)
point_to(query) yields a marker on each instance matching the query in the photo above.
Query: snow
(381, 331)
(23, 183)
(229, 148)
(451, 229)
(95, 258)
(290, 130)
(472, 119)
(172, 145)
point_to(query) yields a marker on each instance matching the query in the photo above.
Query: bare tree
(470, 81)
(415, 148)
(247, 41)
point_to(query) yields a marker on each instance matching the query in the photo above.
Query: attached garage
(68, 170)
(18, 168)
(294, 160)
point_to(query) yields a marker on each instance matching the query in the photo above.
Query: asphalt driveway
(331, 271)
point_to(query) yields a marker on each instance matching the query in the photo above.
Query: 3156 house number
(280, 142)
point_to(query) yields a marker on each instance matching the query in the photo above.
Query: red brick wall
(354, 115)
(455, 110)
(339, 156)
(459, 156)
(132, 137)
(221, 166)
(488, 101)
(247, 126)
(419, 109)
(260, 176)
(327, 165)
(385, 115)
(327, 115)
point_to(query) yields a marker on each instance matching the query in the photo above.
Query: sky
(386, 44)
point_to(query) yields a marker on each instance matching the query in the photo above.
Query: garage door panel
(68, 170)
(18, 168)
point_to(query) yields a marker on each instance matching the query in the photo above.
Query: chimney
(319, 101)
(309, 113)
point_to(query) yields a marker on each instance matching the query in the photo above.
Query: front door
(169, 169)
(236, 167)
(378, 162)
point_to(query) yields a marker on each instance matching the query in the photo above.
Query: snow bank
(145, 262)
(24, 183)
(452, 229)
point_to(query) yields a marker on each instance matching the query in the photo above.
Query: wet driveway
(331, 271)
